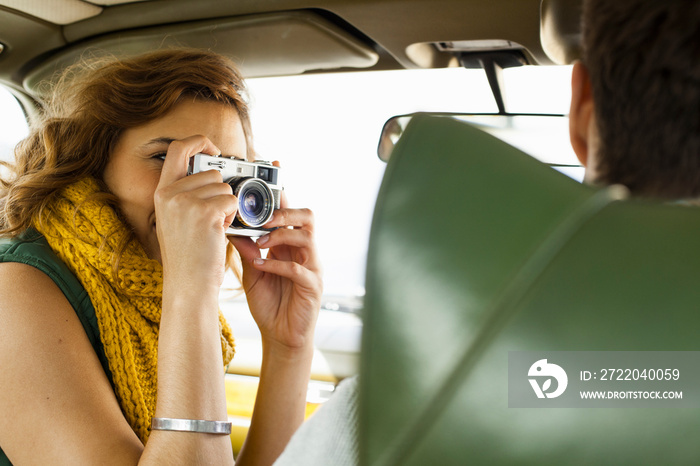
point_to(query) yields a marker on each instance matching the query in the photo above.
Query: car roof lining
(350, 34)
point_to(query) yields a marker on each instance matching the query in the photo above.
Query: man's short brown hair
(643, 57)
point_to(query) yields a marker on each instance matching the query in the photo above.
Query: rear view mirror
(545, 137)
(391, 132)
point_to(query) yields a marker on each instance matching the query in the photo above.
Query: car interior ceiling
(285, 37)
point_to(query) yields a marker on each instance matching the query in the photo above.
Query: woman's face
(134, 167)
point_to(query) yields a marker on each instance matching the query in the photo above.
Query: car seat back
(478, 250)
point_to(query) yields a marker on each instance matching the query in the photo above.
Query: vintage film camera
(256, 184)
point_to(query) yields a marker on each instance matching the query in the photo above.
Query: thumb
(248, 251)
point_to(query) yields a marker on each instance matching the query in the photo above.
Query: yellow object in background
(240, 400)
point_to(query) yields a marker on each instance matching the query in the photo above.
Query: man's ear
(581, 114)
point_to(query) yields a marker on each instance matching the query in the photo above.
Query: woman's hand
(192, 214)
(283, 290)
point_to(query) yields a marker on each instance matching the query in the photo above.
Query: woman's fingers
(293, 271)
(295, 238)
(300, 241)
(246, 247)
(178, 156)
(206, 191)
(206, 186)
(295, 218)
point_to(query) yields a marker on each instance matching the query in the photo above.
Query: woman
(95, 370)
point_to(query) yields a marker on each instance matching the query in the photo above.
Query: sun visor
(273, 44)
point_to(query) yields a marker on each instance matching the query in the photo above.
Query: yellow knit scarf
(85, 233)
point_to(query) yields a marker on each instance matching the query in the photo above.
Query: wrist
(189, 290)
(274, 350)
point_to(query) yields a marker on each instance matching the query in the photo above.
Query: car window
(538, 89)
(13, 124)
(324, 129)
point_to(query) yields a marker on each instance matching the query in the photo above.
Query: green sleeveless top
(32, 249)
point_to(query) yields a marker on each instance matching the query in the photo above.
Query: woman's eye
(160, 155)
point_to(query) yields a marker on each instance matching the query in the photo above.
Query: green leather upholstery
(476, 250)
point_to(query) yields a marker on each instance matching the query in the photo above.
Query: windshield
(324, 130)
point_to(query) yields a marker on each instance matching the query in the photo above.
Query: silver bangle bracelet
(191, 425)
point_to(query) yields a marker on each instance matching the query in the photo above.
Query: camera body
(256, 184)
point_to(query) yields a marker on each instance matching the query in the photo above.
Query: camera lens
(256, 202)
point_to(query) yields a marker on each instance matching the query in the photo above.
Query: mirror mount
(493, 63)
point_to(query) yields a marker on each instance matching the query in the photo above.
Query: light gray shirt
(329, 436)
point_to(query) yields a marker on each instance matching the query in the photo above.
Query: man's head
(635, 111)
